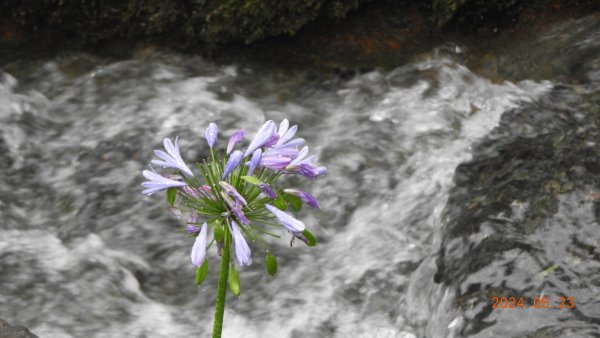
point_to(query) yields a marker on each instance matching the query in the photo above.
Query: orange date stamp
(540, 302)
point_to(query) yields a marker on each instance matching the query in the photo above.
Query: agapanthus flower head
(239, 195)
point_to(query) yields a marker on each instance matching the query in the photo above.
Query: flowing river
(445, 188)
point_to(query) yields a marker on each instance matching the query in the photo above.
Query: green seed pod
(280, 203)
(234, 281)
(310, 238)
(294, 201)
(171, 194)
(218, 231)
(271, 264)
(202, 272)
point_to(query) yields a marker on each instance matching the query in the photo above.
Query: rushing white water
(83, 254)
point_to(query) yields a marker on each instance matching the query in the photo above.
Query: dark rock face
(473, 11)
(523, 222)
(205, 25)
(188, 23)
(7, 331)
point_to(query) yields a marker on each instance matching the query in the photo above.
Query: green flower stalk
(236, 198)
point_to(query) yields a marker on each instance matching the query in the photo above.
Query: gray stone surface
(8, 331)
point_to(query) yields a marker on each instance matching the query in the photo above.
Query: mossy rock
(189, 23)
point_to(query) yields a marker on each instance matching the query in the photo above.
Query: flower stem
(222, 287)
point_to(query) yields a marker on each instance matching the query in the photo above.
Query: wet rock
(522, 222)
(469, 14)
(474, 11)
(7, 331)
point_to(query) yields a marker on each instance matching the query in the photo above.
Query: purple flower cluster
(233, 183)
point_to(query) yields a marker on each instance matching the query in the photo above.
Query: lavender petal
(267, 190)
(211, 134)
(199, 249)
(283, 127)
(172, 158)
(242, 250)
(157, 182)
(289, 222)
(254, 162)
(301, 155)
(288, 135)
(235, 139)
(274, 162)
(231, 191)
(232, 163)
(263, 136)
(309, 199)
